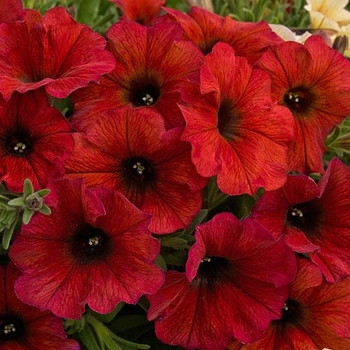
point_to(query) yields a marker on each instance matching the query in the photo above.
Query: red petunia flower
(152, 64)
(142, 11)
(237, 279)
(24, 327)
(11, 10)
(34, 141)
(315, 315)
(313, 219)
(52, 51)
(103, 253)
(311, 81)
(205, 29)
(235, 130)
(128, 150)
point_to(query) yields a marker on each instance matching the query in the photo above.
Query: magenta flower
(24, 327)
(34, 141)
(103, 253)
(32, 54)
(237, 280)
(313, 219)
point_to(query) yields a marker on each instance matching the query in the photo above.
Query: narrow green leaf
(7, 235)
(28, 188)
(43, 193)
(16, 202)
(27, 215)
(88, 338)
(45, 210)
(106, 318)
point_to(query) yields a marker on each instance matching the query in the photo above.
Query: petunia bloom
(237, 280)
(313, 219)
(328, 14)
(34, 141)
(11, 10)
(315, 315)
(152, 64)
(236, 131)
(310, 80)
(205, 29)
(24, 327)
(103, 253)
(53, 51)
(142, 11)
(129, 150)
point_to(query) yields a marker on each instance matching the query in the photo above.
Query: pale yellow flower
(287, 35)
(328, 14)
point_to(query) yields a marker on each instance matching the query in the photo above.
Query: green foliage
(98, 14)
(338, 143)
(93, 334)
(18, 209)
(276, 11)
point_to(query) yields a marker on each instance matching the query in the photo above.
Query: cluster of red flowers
(164, 106)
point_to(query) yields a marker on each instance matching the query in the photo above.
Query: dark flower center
(144, 93)
(227, 119)
(304, 216)
(212, 272)
(18, 144)
(207, 47)
(292, 313)
(90, 244)
(11, 328)
(298, 100)
(139, 173)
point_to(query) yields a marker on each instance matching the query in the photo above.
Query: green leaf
(27, 215)
(143, 303)
(16, 202)
(28, 188)
(88, 338)
(45, 210)
(43, 193)
(161, 263)
(174, 242)
(7, 235)
(87, 11)
(107, 318)
(127, 322)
